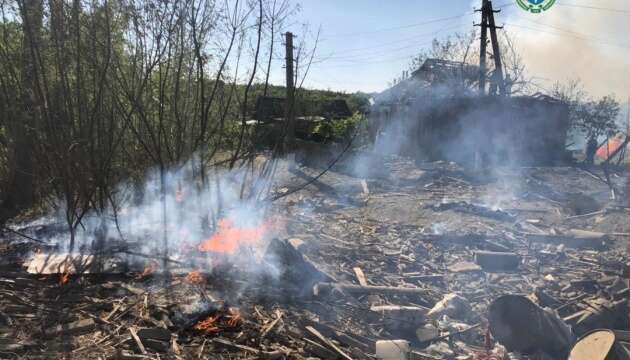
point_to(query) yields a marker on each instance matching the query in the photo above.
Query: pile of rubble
(429, 262)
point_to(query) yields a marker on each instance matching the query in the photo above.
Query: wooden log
(139, 343)
(294, 268)
(360, 276)
(520, 325)
(418, 277)
(365, 290)
(315, 348)
(401, 317)
(327, 342)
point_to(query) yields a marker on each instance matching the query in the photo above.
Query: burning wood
(224, 319)
(229, 238)
(194, 277)
(46, 264)
(207, 325)
(149, 269)
(375, 279)
(64, 279)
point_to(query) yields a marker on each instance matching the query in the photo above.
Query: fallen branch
(447, 335)
(365, 290)
(135, 337)
(329, 343)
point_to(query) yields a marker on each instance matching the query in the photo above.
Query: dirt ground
(402, 225)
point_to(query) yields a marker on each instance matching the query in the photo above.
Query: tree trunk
(21, 186)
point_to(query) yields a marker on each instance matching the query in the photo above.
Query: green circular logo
(535, 6)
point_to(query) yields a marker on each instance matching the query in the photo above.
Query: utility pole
(496, 51)
(483, 47)
(487, 22)
(290, 100)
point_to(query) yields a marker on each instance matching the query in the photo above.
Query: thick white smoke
(194, 213)
(568, 42)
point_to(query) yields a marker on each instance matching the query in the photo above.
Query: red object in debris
(148, 270)
(65, 278)
(229, 238)
(611, 146)
(208, 325)
(224, 319)
(194, 277)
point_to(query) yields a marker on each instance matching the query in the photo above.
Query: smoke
(568, 42)
(447, 120)
(230, 201)
(394, 124)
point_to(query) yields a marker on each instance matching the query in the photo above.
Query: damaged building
(434, 114)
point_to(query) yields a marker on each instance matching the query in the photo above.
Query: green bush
(338, 130)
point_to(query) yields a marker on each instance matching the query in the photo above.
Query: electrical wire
(427, 22)
(360, 59)
(396, 27)
(330, 166)
(412, 39)
(579, 37)
(624, 11)
(577, 34)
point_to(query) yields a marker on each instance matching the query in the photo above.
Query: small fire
(208, 325)
(148, 270)
(225, 319)
(229, 238)
(234, 318)
(65, 278)
(194, 277)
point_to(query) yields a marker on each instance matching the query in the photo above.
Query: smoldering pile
(391, 273)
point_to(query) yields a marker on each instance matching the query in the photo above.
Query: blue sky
(362, 43)
(366, 43)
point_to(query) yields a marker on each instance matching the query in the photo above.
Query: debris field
(423, 261)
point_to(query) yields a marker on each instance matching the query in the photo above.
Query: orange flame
(208, 325)
(148, 270)
(194, 277)
(229, 238)
(226, 319)
(234, 317)
(65, 278)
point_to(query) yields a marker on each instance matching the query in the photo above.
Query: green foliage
(309, 101)
(598, 117)
(93, 94)
(339, 130)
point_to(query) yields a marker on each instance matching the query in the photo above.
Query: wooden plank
(360, 276)
(329, 343)
(135, 337)
(364, 290)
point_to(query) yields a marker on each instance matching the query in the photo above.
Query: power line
(384, 52)
(579, 36)
(408, 56)
(390, 43)
(427, 22)
(375, 55)
(397, 27)
(626, 11)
